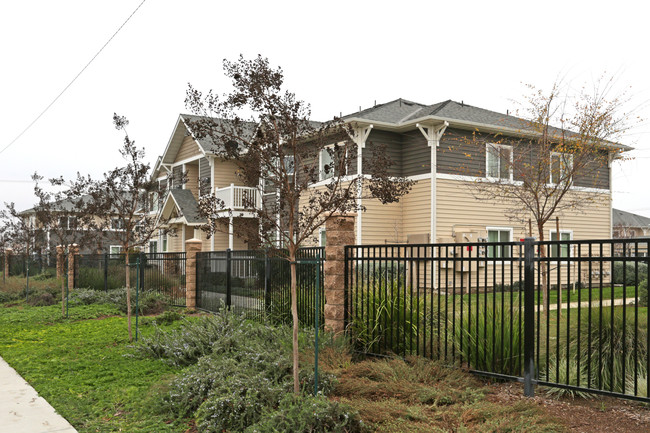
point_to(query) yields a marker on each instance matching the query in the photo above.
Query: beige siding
(416, 209)
(175, 240)
(382, 224)
(192, 180)
(188, 149)
(225, 173)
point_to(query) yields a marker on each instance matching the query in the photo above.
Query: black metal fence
(160, 272)
(259, 282)
(35, 264)
(566, 314)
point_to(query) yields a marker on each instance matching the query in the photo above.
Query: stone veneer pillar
(8, 253)
(339, 230)
(192, 247)
(60, 261)
(73, 251)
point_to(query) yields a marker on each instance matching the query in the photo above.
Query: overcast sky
(337, 55)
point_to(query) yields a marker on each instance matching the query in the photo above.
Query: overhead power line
(73, 80)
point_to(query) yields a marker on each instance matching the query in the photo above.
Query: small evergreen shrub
(630, 272)
(643, 293)
(41, 299)
(305, 413)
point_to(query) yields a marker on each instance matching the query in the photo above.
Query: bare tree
(64, 217)
(22, 232)
(120, 203)
(566, 142)
(277, 148)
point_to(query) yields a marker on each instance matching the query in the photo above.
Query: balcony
(241, 199)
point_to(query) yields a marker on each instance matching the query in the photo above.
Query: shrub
(166, 318)
(237, 403)
(643, 293)
(8, 297)
(148, 303)
(489, 341)
(389, 319)
(630, 272)
(41, 299)
(308, 414)
(608, 345)
(47, 274)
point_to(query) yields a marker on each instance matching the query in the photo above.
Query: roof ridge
(441, 105)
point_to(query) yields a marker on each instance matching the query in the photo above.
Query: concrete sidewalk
(22, 410)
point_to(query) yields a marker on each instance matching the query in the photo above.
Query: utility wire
(73, 80)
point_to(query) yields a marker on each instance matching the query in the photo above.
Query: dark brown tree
(565, 142)
(120, 204)
(268, 132)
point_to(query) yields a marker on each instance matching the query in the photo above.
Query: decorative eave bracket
(432, 132)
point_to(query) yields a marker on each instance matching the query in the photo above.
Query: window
(68, 223)
(115, 249)
(326, 163)
(117, 224)
(498, 161)
(329, 160)
(322, 237)
(561, 165)
(153, 246)
(565, 235)
(153, 202)
(164, 244)
(499, 234)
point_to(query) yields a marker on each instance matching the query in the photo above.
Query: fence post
(8, 253)
(228, 277)
(529, 316)
(106, 261)
(340, 232)
(73, 250)
(192, 248)
(267, 273)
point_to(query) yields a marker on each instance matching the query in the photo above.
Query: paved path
(585, 304)
(22, 410)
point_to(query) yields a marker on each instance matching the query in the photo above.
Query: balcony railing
(241, 198)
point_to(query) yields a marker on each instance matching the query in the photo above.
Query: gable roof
(187, 206)
(628, 219)
(402, 114)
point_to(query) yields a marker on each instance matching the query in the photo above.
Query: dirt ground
(598, 414)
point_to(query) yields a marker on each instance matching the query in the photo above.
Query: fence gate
(565, 314)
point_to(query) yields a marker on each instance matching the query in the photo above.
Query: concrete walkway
(22, 410)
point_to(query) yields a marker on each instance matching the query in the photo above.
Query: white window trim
(119, 247)
(321, 230)
(562, 231)
(501, 229)
(499, 146)
(550, 168)
(320, 160)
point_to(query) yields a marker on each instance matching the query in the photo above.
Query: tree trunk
(294, 315)
(128, 294)
(544, 270)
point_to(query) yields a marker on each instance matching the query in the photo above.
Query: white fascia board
(464, 178)
(185, 161)
(171, 138)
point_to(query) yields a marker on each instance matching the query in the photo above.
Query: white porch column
(433, 133)
(359, 137)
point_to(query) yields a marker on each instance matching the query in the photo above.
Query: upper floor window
(499, 234)
(117, 224)
(326, 165)
(498, 161)
(561, 250)
(561, 166)
(329, 159)
(68, 223)
(322, 237)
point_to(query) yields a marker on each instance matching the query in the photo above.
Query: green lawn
(85, 368)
